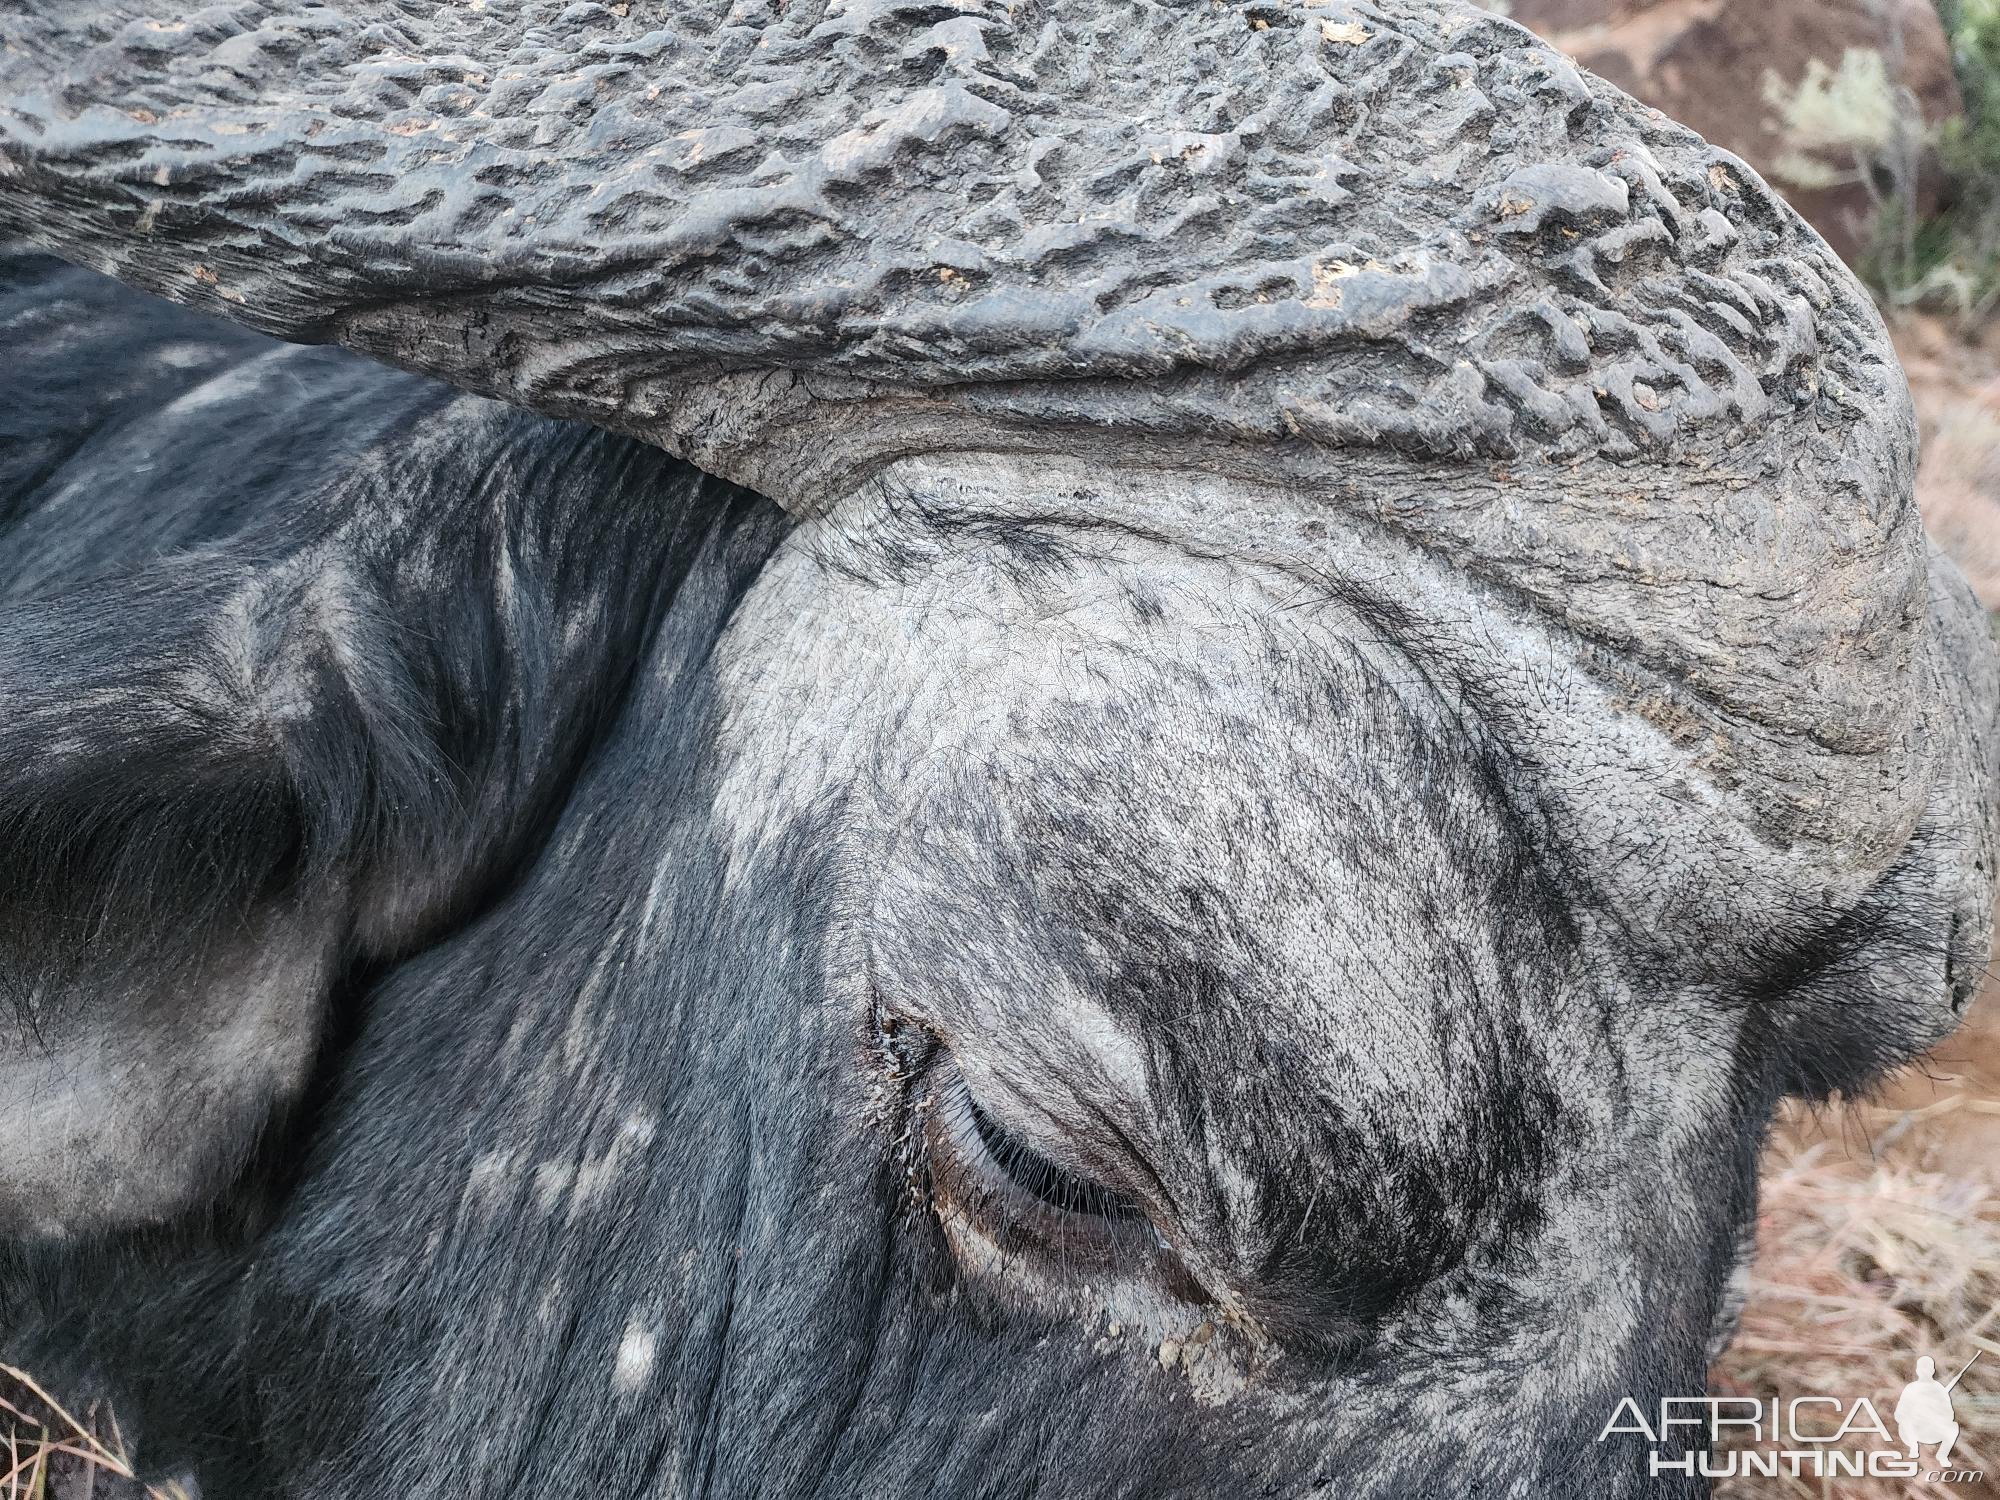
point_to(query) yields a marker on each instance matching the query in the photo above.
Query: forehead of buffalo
(1180, 860)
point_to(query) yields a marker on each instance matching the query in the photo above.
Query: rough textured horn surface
(1398, 273)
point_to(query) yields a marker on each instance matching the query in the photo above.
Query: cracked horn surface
(1402, 263)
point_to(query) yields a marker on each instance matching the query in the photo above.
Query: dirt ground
(1878, 1242)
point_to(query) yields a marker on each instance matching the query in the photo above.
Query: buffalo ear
(164, 945)
(132, 1090)
(312, 738)
(220, 783)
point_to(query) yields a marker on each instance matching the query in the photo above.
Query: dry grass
(47, 1453)
(1865, 1261)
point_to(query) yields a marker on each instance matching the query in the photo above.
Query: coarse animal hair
(529, 962)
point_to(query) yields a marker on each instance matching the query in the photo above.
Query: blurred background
(1879, 1236)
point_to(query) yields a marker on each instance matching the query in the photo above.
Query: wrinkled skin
(1336, 689)
(645, 883)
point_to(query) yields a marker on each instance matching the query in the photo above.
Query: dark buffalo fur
(590, 1175)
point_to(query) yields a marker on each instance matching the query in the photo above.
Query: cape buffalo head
(1322, 687)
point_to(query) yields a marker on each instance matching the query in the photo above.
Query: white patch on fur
(662, 873)
(488, 1181)
(596, 1174)
(552, 1180)
(638, 1349)
(583, 1034)
(550, 1302)
(238, 380)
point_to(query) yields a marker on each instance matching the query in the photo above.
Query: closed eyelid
(984, 1136)
(1046, 1178)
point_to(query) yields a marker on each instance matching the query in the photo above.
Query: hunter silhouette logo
(1923, 1412)
(1806, 1437)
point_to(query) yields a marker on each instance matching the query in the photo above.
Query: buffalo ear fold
(165, 978)
(234, 774)
(140, 1091)
(167, 936)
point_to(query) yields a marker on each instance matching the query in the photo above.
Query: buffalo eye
(1034, 1174)
(1016, 1196)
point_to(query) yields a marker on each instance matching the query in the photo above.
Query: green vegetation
(1856, 124)
(1969, 149)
